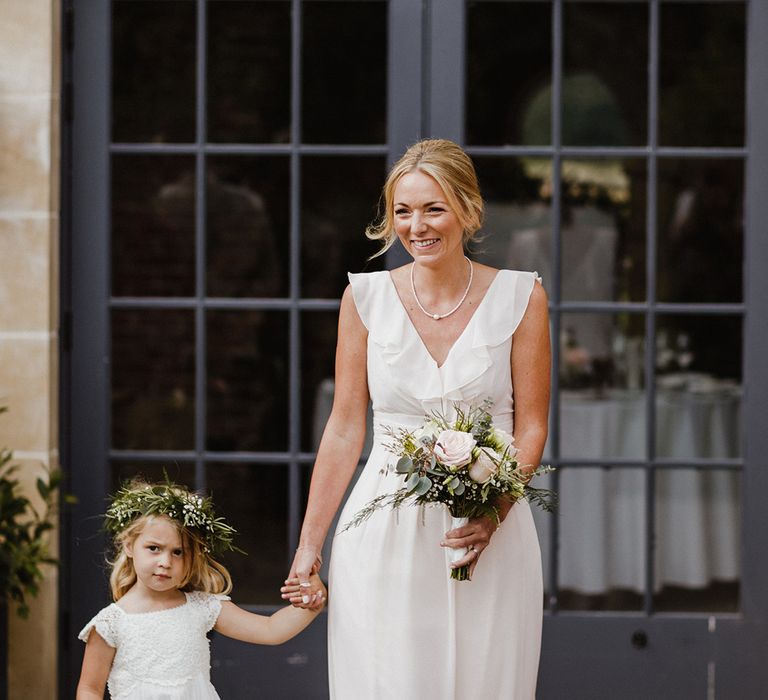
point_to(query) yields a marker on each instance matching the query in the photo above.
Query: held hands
(310, 595)
(475, 535)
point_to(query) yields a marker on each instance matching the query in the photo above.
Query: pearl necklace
(437, 317)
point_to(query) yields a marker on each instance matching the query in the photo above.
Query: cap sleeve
(210, 604)
(502, 319)
(106, 624)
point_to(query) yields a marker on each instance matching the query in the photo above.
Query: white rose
(428, 430)
(454, 448)
(484, 467)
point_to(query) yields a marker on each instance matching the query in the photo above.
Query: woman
(439, 331)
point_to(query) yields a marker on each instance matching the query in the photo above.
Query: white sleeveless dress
(399, 627)
(160, 655)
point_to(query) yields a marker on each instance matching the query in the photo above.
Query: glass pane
(517, 230)
(249, 71)
(153, 226)
(179, 472)
(603, 230)
(318, 342)
(254, 500)
(338, 200)
(247, 406)
(153, 71)
(602, 402)
(697, 540)
(698, 379)
(605, 74)
(702, 51)
(248, 220)
(153, 379)
(602, 539)
(344, 72)
(509, 67)
(701, 230)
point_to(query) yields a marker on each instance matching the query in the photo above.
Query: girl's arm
(97, 663)
(342, 440)
(274, 629)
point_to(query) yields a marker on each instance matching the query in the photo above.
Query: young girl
(169, 592)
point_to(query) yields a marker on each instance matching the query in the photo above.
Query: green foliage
(23, 533)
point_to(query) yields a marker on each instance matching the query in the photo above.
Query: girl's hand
(311, 597)
(306, 563)
(476, 535)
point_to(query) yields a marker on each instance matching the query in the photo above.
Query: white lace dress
(161, 655)
(399, 627)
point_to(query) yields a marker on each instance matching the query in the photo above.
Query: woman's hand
(297, 595)
(475, 535)
(306, 562)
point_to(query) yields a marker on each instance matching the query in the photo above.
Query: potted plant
(23, 544)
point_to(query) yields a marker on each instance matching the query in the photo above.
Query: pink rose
(483, 468)
(454, 448)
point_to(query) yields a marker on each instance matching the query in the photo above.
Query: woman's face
(425, 223)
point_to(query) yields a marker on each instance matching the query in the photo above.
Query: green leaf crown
(193, 511)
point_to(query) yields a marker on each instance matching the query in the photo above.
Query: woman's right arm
(342, 440)
(96, 665)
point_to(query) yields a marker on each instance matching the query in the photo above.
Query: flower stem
(461, 573)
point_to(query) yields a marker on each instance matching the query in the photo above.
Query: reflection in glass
(318, 350)
(697, 540)
(153, 367)
(517, 227)
(247, 226)
(153, 226)
(153, 71)
(603, 230)
(701, 230)
(338, 200)
(602, 402)
(344, 72)
(249, 71)
(508, 66)
(605, 75)
(702, 52)
(247, 406)
(254, 500)
(182, 473)
(698, 380)
(601, 563)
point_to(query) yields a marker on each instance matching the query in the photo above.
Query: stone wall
(29, 289)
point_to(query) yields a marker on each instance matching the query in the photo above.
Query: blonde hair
(201, 571)
(452, 169)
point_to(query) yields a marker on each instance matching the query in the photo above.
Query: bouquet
(465, 463)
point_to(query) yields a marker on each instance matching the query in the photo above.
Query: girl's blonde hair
(452, 169)
(201, 571)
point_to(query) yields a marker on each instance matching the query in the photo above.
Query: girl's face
(425, 223)
(158, 556)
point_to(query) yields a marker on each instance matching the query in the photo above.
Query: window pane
(318, 342)
(153, 226)
(602, 402)
(254, 500)
(603, 230)
(249, 71)
(182, 473)
(247, 380)
(698, 379)
(602, 539)
(344, 74)
(247, 225)
(153, 71)
(701, 230)
(509, 66)
(339, 198)
(702, 49)
(153, 368)
(697, 540)
(517, 230)
(605, 74)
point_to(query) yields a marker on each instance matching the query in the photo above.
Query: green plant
(23, 533)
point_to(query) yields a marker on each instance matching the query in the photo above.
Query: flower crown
(135, 499)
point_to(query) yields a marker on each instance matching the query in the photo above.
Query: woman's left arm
(531, 360)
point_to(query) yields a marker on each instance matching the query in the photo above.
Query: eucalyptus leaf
(424, 484)
(412, 482)
(404, 465)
